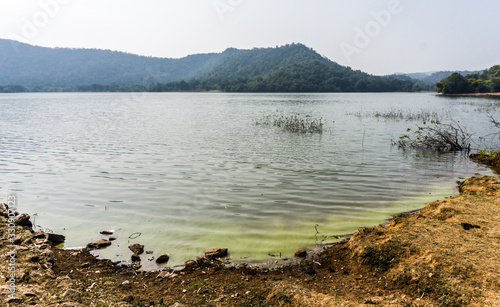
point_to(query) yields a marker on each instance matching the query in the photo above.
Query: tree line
(486, 82)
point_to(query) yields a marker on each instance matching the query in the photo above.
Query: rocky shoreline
(446, 254)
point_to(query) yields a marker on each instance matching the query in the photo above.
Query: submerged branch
(437, 136)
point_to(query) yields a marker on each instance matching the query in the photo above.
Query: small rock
(107, 232)
(29, 294)
(468, 226)
(85, 265)
(126, 284)
(71, 295)
(162, 258)
(56, 239)
(137, 248)
(301, 253)
(136, 258)
(136, 265)
(111, 238)
(215, 253)
(24, 220)
(39, 235)
(99, 244)
(14, 300)
(190, 263)
(373, 301)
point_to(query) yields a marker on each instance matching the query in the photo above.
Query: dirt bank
(444, 255)
(491, 95)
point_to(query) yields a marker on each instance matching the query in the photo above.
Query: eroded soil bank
(446, 254)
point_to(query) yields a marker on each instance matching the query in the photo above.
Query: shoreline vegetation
(486, 83)
(445, 254)
(488, 95)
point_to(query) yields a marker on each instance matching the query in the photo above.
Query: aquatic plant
(436, 136)
(296, 123)
(399, 114)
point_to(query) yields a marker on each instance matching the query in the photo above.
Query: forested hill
(293, 68)
(33, 66)
(289, 68)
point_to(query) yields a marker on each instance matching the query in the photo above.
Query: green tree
(454, 84)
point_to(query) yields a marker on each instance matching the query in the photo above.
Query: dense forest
(62, 68)
(486, 82)
(289, 68)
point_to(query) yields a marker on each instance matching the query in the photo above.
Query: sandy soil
(446, 254)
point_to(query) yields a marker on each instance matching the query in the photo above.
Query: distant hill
(418, 75)
(440, 75)
(431, 78)
(32, 66)
(289, 68)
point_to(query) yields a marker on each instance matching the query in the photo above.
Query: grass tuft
(296, 123)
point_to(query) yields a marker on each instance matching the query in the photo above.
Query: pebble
(301, 253)
(162, 258)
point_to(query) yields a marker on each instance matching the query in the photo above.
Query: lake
(185, 172)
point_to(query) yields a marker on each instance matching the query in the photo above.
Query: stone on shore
(301, 253)
(24, 220)
(99, 244)
(56, 239)
(215, 253)
(137, 248)
(162, 258)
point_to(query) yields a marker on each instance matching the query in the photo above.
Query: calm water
(188, 172)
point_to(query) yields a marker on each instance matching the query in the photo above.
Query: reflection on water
(190, 171)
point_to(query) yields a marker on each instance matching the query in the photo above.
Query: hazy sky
(376, 36)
